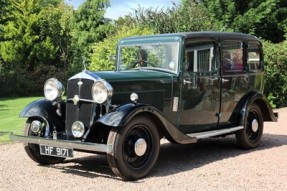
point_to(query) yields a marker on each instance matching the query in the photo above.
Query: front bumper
(83, 146)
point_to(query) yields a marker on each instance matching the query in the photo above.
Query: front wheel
(33, 150)
(250, 137)
(135, 148)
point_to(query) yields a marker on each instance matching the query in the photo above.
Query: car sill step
(207, 134)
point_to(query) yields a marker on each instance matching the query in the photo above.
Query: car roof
(187, 35)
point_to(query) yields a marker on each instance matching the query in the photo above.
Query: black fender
(253, 97)
(120, 116)
(46, 111)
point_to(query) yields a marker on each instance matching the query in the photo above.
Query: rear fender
(122, 115)
(241, 110)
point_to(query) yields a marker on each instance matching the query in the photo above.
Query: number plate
(56, 151)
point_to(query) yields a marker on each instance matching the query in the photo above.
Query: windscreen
(158, 56)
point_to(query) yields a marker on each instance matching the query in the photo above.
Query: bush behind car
(275, 57)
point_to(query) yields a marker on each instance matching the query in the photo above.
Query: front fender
(45, 110)
(37, 108)
(120, 116)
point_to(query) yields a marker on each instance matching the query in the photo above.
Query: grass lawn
(10, 121)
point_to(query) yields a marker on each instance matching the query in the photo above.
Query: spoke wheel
(135, 148)
(250, 137)
(33, 150)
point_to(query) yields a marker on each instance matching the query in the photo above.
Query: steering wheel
(142, 63)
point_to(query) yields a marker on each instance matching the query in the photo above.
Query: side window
(200, 58)
(232, 57)
(254, 57)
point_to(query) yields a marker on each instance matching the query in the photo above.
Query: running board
(207, 134)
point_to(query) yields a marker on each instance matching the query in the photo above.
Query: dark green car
(182, 87)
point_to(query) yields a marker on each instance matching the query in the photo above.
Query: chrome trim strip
(86, 146)
(206, 134)
(84, 100)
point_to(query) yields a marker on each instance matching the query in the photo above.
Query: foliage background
(40, 39)
(276, 72)
(101, 59)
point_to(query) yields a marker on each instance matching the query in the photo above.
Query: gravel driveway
(211, 164)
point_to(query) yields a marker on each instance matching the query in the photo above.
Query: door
(200, 98)
(234, 77)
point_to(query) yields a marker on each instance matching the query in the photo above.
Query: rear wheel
(250, 137)
(135, 148)
(33, 150)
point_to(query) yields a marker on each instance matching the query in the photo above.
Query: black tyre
(135, 148)
(33, 150)
(250, 137)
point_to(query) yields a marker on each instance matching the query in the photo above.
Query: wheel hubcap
(140, 147)
(254, 125)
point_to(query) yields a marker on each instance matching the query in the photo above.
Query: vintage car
(182, 87)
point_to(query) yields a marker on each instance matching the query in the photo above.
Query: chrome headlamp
(102, 91)
(78, 129)
(53, 89)
(36, 126)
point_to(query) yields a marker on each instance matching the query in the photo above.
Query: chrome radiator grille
(83, 111)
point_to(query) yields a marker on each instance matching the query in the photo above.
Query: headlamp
(53, 89)
(78, 129)
(102, 91)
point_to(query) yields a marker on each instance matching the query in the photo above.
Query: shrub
(275, 56)
(29, 83)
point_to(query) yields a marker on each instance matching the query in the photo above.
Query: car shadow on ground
(90, 166)
(173, 158)
(179, 158)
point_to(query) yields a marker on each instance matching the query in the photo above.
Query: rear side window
(254, 57)
(232, 57)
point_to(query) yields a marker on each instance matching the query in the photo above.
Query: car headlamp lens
(78, 129)
(53, 89)
(102, 91)
(36, 126)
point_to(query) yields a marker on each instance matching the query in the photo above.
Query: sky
(124, 7)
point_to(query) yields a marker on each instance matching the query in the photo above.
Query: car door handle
(186, 82)
(224, 80)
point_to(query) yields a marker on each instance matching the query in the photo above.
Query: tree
(4, 16)
(89, 27)
(268, 20)
(35, 38)
(265, 19)
(192, 16)
(35, 35)
(105, 50)
(188, 16)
